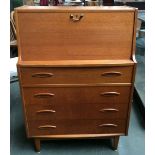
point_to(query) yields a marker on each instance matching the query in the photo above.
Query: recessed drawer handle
(76, 18)
(42, 75)
(46, 111)
(112, 73)
(47, 127)
(44, 95)
(110, 94)
(107, 125)
(109, 109)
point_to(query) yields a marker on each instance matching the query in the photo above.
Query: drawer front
(77, 95)
(76, 75)
(77, 111)
(55, 36)
(54, 127)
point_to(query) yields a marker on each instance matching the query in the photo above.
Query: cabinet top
(73, 8)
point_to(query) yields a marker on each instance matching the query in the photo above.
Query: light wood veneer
(76, 69)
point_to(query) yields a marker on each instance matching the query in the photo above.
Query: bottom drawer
(56, 127)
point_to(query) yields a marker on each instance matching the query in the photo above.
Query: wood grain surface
(96, 36)
(76, 75)
(77, 95)
(76, 70)
(75, 127)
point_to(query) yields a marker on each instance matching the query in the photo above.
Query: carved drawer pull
(110, 94)
(109, 109)
(107, 125)
(47, 126)
(46, 111)
(76, 18)
(44, 95)
(112, 73)
(42, 75)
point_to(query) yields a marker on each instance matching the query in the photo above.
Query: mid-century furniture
(13, 38)
(12, 17)
(13, 41)
(76, 68)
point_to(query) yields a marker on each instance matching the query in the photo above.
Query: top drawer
(45, 36)
(79, 75)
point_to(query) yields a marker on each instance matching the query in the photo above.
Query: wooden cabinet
(76, 69)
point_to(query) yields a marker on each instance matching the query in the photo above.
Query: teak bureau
(76, 68)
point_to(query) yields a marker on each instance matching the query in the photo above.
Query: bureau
(76, 70)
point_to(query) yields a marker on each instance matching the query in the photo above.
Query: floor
(133, 144)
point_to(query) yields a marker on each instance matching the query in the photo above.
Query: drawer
(76, 111)
(54, 127)
(55, 36)
(47, 75)
(77, 95)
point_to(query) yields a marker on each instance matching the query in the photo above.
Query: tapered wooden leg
(37, 144)
(115, 142)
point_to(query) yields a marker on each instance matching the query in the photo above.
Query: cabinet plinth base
(115, 142)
